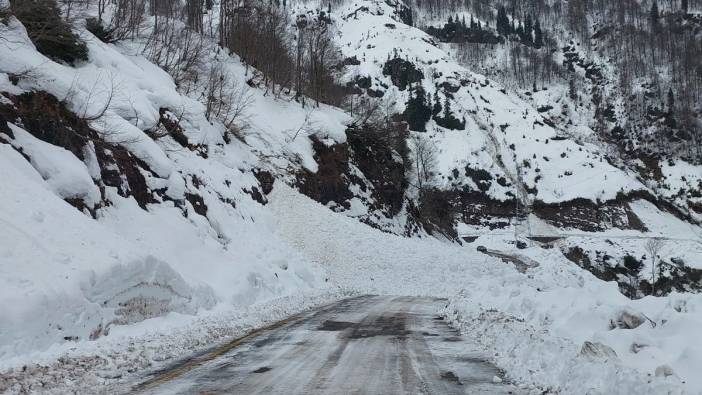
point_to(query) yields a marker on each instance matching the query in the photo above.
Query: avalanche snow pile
(134, 230)
(553, 328)
(502, 166)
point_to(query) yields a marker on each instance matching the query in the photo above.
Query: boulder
(596, 350)
(664, 371)
(627, 320)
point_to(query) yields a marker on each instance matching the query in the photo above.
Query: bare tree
(301, 24)
(178, 51)
(322, 55)
(653, 247)
(226, 99)
(424, 157)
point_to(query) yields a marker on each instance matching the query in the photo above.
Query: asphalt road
(365, 345)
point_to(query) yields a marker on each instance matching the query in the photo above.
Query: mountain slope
(138, 228)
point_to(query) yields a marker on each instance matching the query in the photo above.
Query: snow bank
(534, 323)
(542, 326)
(66, 175)
(66, 278)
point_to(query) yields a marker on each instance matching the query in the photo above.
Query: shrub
(417, 111)
(101, 32)
(402, 72)
(51, 35)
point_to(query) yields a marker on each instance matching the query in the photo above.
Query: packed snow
(101, 301)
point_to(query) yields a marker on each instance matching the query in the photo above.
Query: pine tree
(671, 101)
(448, 121)
(538, 35)
(528, 30)
(654, 16)
(520, 31)
(437, 104)
(447, 109)
(684, 6)
(572, 90)
(503, 27)
(417, 111)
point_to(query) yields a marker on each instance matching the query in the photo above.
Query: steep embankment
(121, 201)
(499, 165)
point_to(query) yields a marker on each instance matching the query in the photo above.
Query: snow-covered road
(369, 345)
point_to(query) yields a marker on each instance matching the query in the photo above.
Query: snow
(559, 319)
(556, 306)
(504, 123)
(102, 300)
(65, 174)
(68, 278)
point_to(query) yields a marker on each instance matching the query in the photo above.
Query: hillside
(167, 185)
(508, 168)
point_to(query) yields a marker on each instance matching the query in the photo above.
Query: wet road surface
(365, 345)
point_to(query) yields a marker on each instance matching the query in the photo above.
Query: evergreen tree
(671, 101)
(447, 120)
(520, 31)
(684, 6)
(503, 27)
(417, 111)
(437, 104)
(528, 30)
(654, 16)
(447, 109)
(572, 90)
(538, 35)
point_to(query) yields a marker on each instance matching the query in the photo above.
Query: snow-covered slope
(511, 169)
(135, 230)
(559, 169)
(536, 322)
(175, 229)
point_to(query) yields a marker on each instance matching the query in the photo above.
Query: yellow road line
(198, 361)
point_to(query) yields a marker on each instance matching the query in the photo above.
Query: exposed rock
(596, 350)
(664, 371)
(266, 180)
(197, 202)
(4, 129)
(627, 320)
(331, 181)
